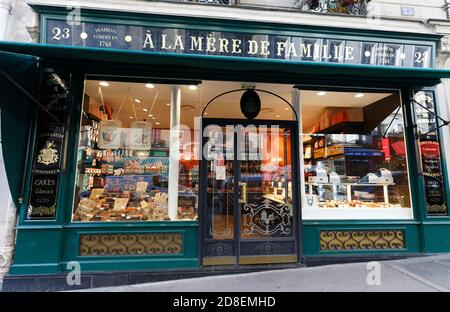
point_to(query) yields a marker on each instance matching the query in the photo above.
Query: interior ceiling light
(104, 84)
(137, 100)
(193, 87)
(359, 95)
(188, 107)
(150, 115)
(321, 93)
(157, 122)
(145, 110)
(131, 117)
(168, 104)
(149, 85)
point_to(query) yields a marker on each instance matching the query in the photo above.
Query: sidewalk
(429, 274)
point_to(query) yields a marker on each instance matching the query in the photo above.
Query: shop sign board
(295, 48)
(333, 150)
(430, 153)
(48, 156)
(319, 153)
(432, 173)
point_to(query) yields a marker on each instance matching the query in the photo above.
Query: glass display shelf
(349, 187)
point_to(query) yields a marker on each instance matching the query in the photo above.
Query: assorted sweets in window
(123, 159)
(355, 157)
(119, 188)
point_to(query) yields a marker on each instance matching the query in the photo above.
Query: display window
(139, 153)
(136, 161)
(355, 157)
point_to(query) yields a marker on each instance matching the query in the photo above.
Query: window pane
(188, 167)
(124, 156)
(355, 156)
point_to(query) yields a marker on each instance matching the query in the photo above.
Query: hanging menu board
(430, 154)
(432, 172)
(49, 147)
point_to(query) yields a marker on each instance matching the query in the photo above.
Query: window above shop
(351, 7)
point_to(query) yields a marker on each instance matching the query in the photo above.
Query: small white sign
(220, 173)
(310, 201)
(407, 11)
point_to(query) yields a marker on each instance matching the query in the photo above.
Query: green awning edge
(83, 55)
(17, 84)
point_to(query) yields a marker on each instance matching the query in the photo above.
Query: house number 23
(60, 33)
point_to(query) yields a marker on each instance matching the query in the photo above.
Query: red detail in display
(386, 148)
(399, 148)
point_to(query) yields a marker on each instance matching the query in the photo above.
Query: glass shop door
(249, 193)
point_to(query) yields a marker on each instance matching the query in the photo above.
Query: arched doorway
(249, 183)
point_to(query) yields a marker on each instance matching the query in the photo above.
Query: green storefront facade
(48, 246)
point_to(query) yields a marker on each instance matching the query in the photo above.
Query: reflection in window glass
(354, 156)
(124, 155)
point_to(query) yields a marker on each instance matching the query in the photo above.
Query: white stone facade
(20, 19)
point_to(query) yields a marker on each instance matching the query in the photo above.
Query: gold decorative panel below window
(362, 240)
(131, 244)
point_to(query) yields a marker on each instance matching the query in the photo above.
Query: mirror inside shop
(133, 166)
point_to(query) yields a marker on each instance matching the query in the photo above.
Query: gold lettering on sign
(148, 41)
(349, 53)
(306, 50)
(164, 43)
(263, 44)
(252, 47)
(337, 52)
(236, 46)
(326, 53)
(178, 43)
(223, 45)
(280, 47)
(48, 182)
(316, 51)
(196, 43)
(210, 44)
(265, 48)
(291, 51)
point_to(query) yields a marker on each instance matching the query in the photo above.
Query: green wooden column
(40, 240)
